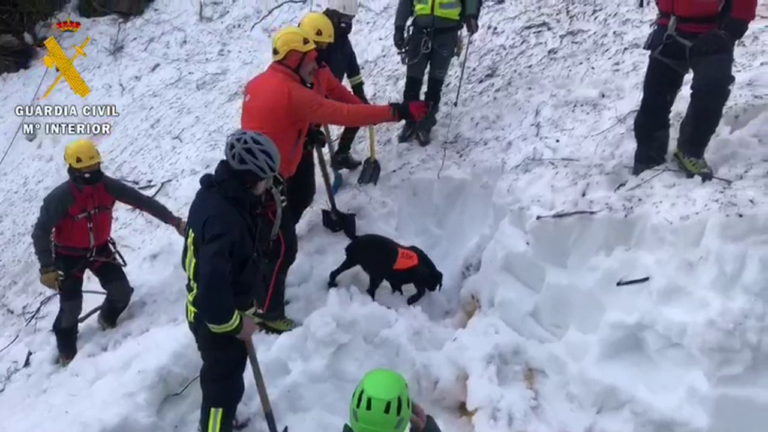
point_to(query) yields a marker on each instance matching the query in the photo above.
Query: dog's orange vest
(405, 259)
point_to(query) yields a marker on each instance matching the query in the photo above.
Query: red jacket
(701, 16)
(278, 105)
(327, 85)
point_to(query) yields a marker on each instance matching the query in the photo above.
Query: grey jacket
(470, 9)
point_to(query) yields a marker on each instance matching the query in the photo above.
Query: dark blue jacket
(220, 253)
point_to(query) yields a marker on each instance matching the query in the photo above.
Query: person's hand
(410, 111)
(50, 278)
(399, 38)
(248, 328)
(315, 138)
(181, 226)
(471, 25)
(418, 417)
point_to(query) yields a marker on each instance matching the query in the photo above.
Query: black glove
(399, 37)
(736, 28)
(713, 42)
(357, 89)
(315, 138)
(471, 24)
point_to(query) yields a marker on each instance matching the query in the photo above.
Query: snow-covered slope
(543, 128)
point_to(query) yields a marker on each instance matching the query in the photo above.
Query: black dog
(383, 259)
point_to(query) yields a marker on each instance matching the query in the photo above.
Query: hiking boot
(340, 161)
(639, 168)
(105, 323)
(693, 166)
(422, 136)
(277, 326)
(409, 129)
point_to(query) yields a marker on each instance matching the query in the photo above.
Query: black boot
(432, 96)
(340, 161)
(408, 131)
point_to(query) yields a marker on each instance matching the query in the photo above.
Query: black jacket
(220, 253)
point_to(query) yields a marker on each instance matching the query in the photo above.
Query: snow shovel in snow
(338, 180)
(371, 168)
(261, 387)
(333, 219)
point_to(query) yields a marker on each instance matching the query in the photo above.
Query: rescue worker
(689, 35)
(322, 33)
(382, 403)
(79, 214)
(280, 104)
(341, 58)
(223, 265)
(434, 36)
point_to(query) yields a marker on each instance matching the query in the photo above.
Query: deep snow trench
(530, 332)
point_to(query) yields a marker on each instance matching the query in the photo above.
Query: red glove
(410, 111)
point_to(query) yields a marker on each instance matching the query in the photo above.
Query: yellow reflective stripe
(190, 262)
(228, 327)
(214, 420)
(355, 80)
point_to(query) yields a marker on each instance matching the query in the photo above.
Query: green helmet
(380, 403)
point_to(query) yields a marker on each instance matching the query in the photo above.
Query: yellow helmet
(290, 39)
(81, 153)
(318, 26)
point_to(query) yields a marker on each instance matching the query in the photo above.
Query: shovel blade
(370, 172)
(336, 221)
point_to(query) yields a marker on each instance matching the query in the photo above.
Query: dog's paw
(332, 284)
(412, 300)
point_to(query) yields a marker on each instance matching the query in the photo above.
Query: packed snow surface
(532, 331)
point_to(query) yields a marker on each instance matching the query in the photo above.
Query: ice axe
(261, 387)
(371, 168)
(333, 219)
(338, 180)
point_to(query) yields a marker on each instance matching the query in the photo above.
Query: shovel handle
(328, 139)
(326, 177)
(372, 142)
(269, 416)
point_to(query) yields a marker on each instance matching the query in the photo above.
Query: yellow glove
(50, 277)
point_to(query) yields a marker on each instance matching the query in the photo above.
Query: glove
(358, 91)
(315, 138)
(50, 277)
(399, 37)
(180, 225)
(410, 111)
(713, 42)
(471, 24)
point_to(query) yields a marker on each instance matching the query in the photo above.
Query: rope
(10, 144)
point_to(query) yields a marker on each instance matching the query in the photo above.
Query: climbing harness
(425, 48)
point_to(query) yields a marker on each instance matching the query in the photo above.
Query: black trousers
(668, 64)
(443, 48)
(346, 139)
(111, 277)
(221, 377)
(301, 187)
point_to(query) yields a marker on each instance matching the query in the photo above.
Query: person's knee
(119, 292)
(69, 313)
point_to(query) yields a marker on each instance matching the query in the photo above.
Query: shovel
(371, 168)
(338, 180)
(333, 219)
(261, 387)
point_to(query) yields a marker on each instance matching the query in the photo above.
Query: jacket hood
(225, 180)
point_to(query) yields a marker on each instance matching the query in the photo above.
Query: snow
(530, 331)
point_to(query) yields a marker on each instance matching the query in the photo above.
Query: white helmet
(253, 152)
(347, 7)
